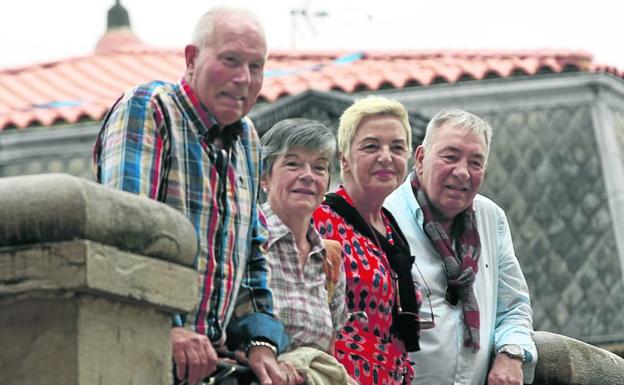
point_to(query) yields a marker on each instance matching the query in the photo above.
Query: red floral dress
(365, 345)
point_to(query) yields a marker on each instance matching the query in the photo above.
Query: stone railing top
(59, 207)
(564, 361)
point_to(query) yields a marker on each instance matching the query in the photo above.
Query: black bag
(405, 320)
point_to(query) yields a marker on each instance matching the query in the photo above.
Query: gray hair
(205, 25)
(462, 119)
(287, 134)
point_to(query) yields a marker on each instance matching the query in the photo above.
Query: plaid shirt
(157, 141)
(300, 295)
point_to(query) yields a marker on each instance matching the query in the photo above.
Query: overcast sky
(43, 30)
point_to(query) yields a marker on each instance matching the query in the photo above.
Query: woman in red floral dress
(374, 139)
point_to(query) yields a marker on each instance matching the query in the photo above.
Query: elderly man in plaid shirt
(189, 145)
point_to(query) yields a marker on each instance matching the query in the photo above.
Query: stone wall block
(59, 207)
(84, 340)
(89, 267)
(89, 280)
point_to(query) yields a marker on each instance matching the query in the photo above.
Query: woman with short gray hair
(297, 154)
(300, 133)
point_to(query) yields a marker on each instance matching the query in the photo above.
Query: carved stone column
(89, 279)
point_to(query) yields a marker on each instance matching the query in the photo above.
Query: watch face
(514, 351)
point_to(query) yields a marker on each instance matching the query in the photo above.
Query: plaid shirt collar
(207, 125)
(278, 230)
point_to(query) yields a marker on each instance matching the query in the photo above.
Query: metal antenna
(305, 13)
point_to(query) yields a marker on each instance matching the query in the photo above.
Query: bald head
(205, 27)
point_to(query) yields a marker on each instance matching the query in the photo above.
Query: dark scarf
(461, 265)
(404, 319)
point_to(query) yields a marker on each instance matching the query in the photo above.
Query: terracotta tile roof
(83, 88)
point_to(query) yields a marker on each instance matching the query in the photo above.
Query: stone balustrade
(566, 361)
(90, 276)
(89, 279)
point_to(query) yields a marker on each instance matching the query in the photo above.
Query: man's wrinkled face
(226, 75)
(451, 169)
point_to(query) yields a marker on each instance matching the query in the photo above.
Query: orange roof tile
(83, 88)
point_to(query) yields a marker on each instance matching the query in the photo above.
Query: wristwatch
(512, 351)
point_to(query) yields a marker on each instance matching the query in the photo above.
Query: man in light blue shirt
(475, 297)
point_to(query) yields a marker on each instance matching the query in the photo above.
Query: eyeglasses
(406, 315)
(427, 320)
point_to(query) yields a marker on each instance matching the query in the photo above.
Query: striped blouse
(300, 294)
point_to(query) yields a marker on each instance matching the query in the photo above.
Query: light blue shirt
(500, 288)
